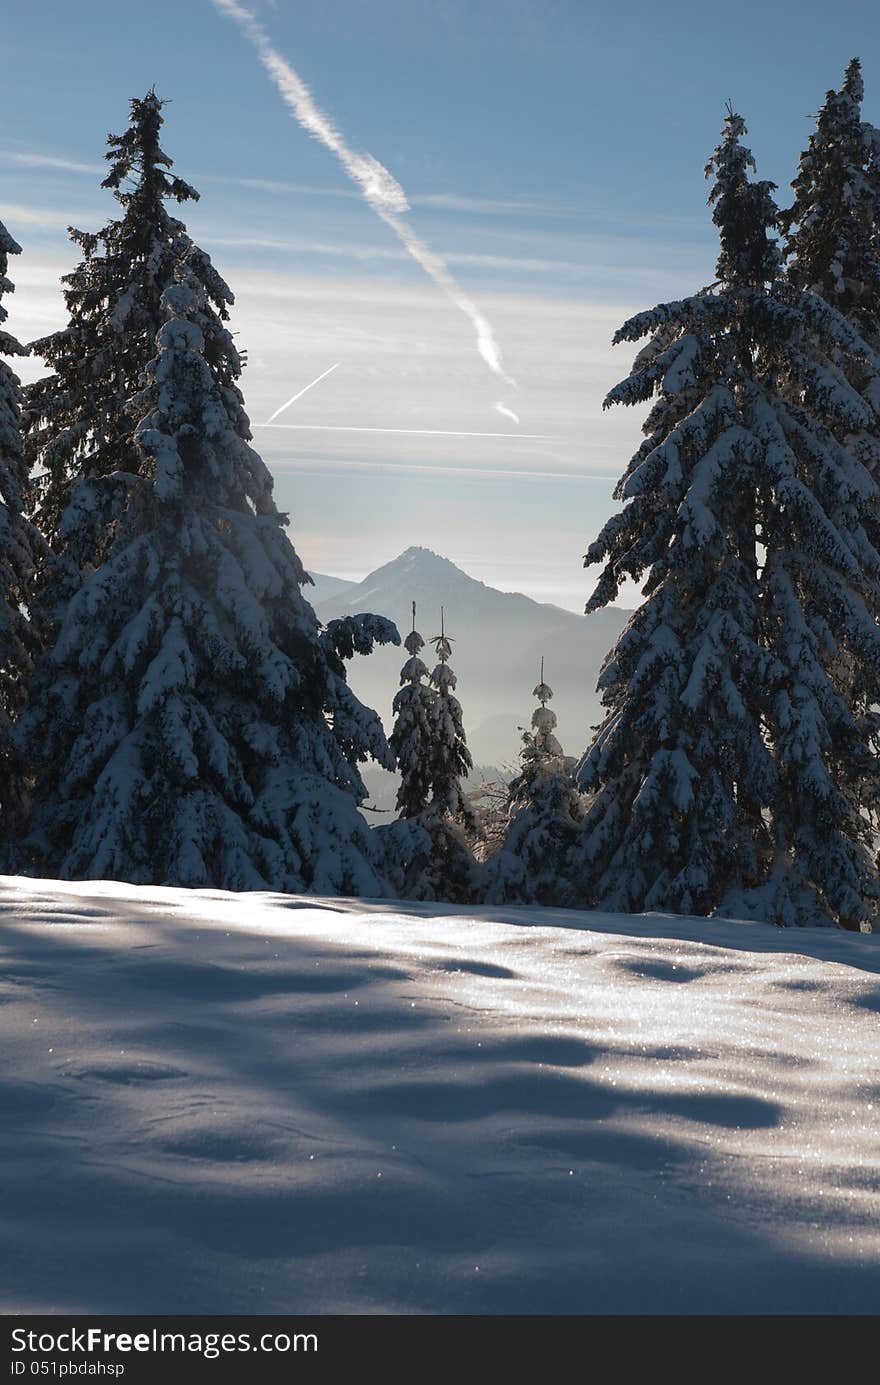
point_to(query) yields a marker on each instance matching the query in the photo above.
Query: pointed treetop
(542, 742)
(743, 211)
(830, 230)
(853, 83)
(138, 154)
(413, 642)
(843, 105)
(443, 643)
(543, 692)
(77, 423)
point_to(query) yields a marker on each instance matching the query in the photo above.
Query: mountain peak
(423, 560)
(418, 568)
(500, 639)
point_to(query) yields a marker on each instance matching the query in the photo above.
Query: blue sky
(552, 153)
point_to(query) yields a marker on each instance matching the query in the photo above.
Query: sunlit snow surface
(254, 1103)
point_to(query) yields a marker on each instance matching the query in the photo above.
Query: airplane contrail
(508, 413)
(294, 397)
(378, 186)
(427, 432)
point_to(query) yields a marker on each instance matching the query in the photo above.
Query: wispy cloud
(378, 186)
(413, 432)
(305, 466)
(511, 207)
(492, 206)
(276, 185)
(49, 218)
(527, 263)
(355, 251)
(633, 221)
(26, 160)
(333, 249)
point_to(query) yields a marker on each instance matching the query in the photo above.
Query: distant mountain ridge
(324, 587)
(500, 638)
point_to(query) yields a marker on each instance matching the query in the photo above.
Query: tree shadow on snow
(309, 1132)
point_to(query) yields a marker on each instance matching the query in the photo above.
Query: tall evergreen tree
(832, 244)
(19, 546)
(832, 229)
(730, 771)
(77, 423)
(544, 809)
(192, 724)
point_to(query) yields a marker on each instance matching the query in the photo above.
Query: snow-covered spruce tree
(832, 229)
(450, 757)
(544, 809)
(192, 724)
(411, 739)
(19, 546)
(730, 773)
(832, 244)
(76, 420)
(446, 869)
(405, 845)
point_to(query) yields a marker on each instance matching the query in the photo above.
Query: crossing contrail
(294, 397)
(378, 186)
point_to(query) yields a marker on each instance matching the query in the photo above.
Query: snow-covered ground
(255, 1103)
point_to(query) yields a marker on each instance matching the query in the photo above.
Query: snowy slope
(253, 1103)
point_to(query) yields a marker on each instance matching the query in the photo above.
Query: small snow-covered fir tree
(452, 873)
(450, 758)
(19, 545)
(76, 420)
(192, 724)
(411, 739)
(544, 809)
(442, 865)
(730, 771)
(405, 845)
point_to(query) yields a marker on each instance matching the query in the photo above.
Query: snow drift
(257, 1103)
